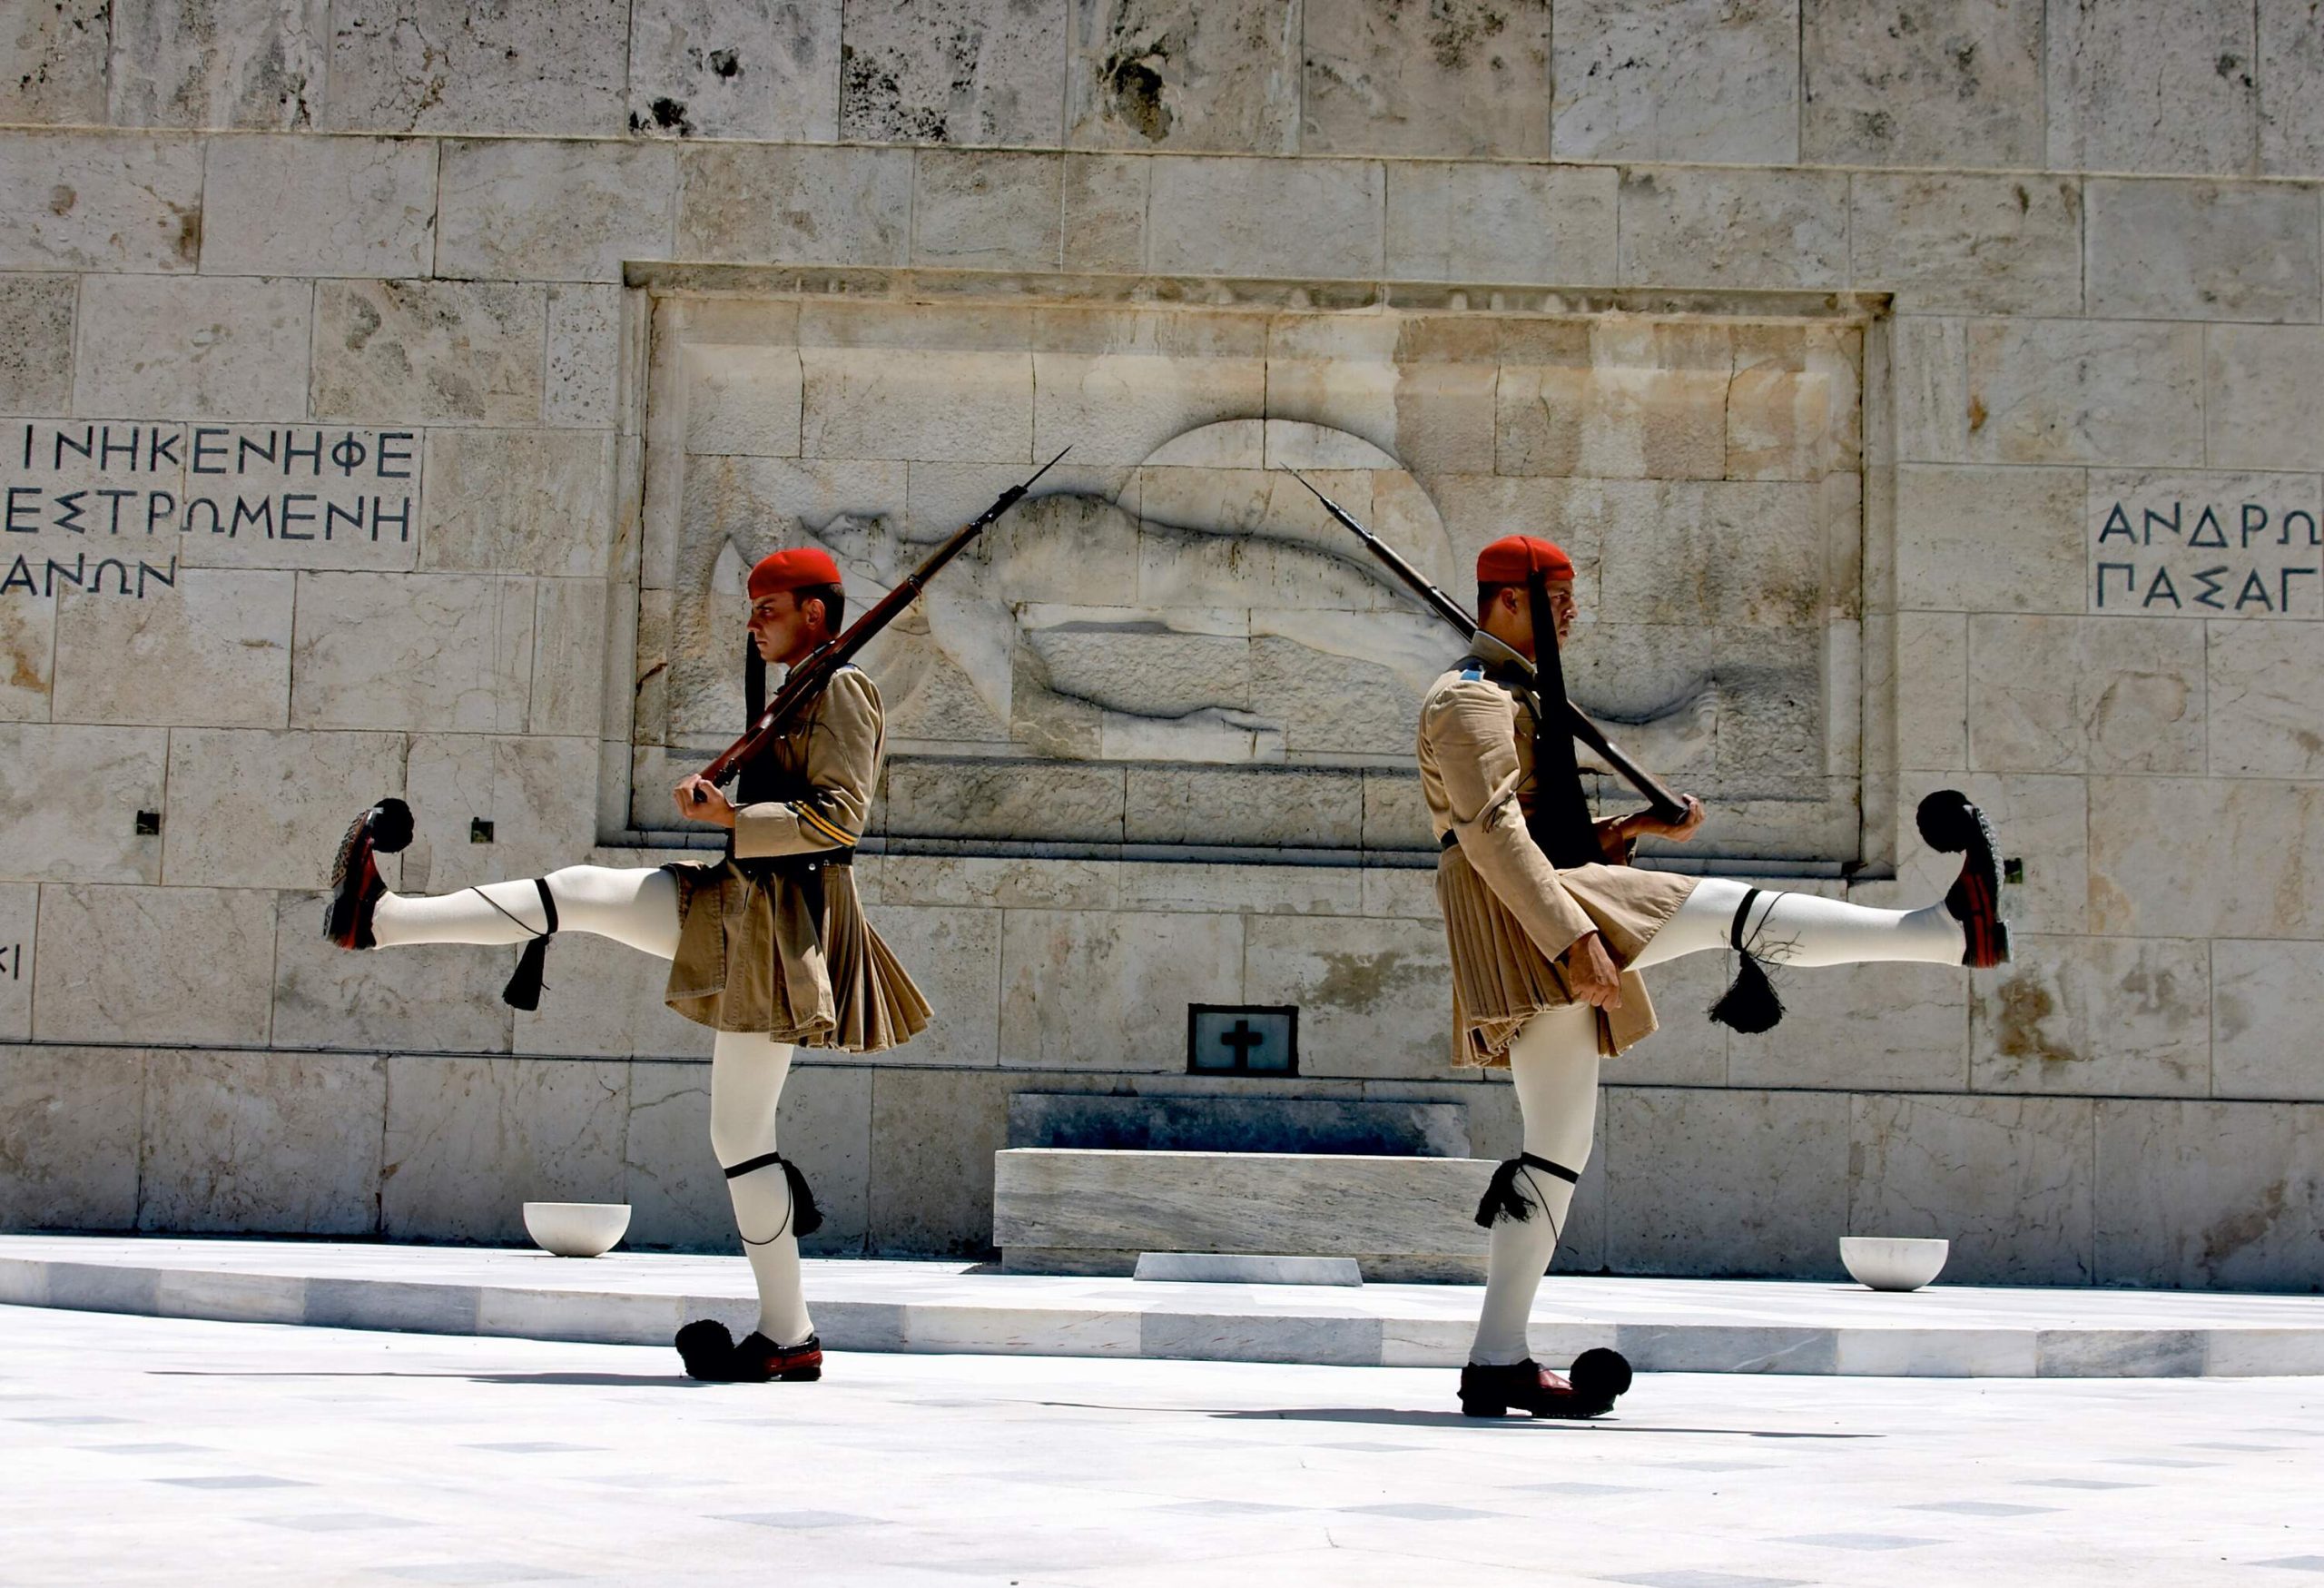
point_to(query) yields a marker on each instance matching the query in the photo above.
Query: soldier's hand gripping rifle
(814, 670)
(1666, 805)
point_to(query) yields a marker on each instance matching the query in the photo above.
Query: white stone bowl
(576, 1229)
(1892, 1262)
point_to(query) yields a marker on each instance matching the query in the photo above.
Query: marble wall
(381, 379)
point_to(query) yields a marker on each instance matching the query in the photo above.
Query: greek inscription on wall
(117, 507)
(2214, 547)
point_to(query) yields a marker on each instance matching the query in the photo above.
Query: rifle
(1666, 805)
(814, 670)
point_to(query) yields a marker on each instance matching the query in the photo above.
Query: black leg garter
(1501, 1199)
(805, 1217)
(524, 989)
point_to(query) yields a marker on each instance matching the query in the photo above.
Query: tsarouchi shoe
(710, 1354)
(1950, 825)
(355, 882)
(1599, 1378)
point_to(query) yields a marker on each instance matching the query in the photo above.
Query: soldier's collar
(1499, 658)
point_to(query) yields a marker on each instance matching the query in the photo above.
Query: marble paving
(863, 1305)
(149, 1450)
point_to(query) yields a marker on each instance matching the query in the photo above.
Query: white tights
(1554, 1063)
(640, 908)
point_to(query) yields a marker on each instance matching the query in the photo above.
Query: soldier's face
(780, 629)
(1515, 624)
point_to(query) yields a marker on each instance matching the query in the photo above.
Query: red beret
(1512, 559)
(792, 570)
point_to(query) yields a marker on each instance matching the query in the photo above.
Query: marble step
(1693, 1325)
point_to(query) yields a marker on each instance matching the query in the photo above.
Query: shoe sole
(341, 920)
(1986, 935)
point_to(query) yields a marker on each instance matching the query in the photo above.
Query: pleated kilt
(1501, 979)
(783, 947)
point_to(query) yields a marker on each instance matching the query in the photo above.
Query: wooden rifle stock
(1667, 805)
(814, 670)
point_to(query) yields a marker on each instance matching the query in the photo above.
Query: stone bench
(1068, 1211)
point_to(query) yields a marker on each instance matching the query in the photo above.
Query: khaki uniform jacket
(1509, 914)
(773, 938)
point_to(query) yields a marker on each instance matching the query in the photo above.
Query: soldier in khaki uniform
(768, 945)
(1549, 926)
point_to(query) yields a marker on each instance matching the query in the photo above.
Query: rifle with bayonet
(806, 680)
(1666, 805)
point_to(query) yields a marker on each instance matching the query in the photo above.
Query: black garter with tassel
(805, 1216)
(524, 989)
(1750, 1005)
(1500, 1198)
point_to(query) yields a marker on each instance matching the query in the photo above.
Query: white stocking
(1801, 929)
(1554, 1065)
(637, 907)
(746, 1074)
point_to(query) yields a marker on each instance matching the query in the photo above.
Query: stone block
(1105, 212)
(951, 72)
(2096, 1017)
(1218, 1122)
(320, 207)
(1729, 554)
(533, 791)
(1091, 990)
(2255, 397)
(1929, 369)
(1119, 407)
(954, 955)
(986, 209)
(918, 404)
(517, 501)
(1737, 1183)
(222, 348)
(1372, 995)
(432, 352)
(568, 658)
(469, 1140)
(2151, 85)
(743, 401)
(584, 374)
(1469, 80)
(1944, 82)
(1265, 218)
(604, 1000)
(514, 210)
(139, 964)
(433, 652)
(1174, 74)
(423, 997)
(992, 883)
(2007, 1181)
(756, 204)
(256, 809)
(2267, 1006)
(1932, 683)
(554, 68)
(1455, 222)
(53, 64)
(2205, 1195)
(2291, 90)
(1972, 244)
(69, 1124)
(100, 202)
(2204, 250)
(1682, 80)
(2052, 694)
(1707, 227)
(765, 69)
(2085, 392)
(1395, 816)
(2161, 546)
(27, 657)
(216, 653)
(2223, 857)
(257, 63)
(1990, 539)
(1295, 809)
(119, 771)
(261, 1143)
(1401, 1218)
(2258, 679)
(1881, 1025)
(36, 343)
(934, 1134)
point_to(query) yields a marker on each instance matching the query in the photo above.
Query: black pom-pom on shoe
(1951, 824)
(1600, 1373)
(707, 1349)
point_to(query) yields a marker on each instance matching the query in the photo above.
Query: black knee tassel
(805, 1216)
(1502, 1198)
(524, 989)
(1752, 1004)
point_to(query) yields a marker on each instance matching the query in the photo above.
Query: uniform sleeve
(1475, 742)
(842, 765)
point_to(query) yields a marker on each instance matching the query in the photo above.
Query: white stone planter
(576, 1229)
(1889, 1262)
